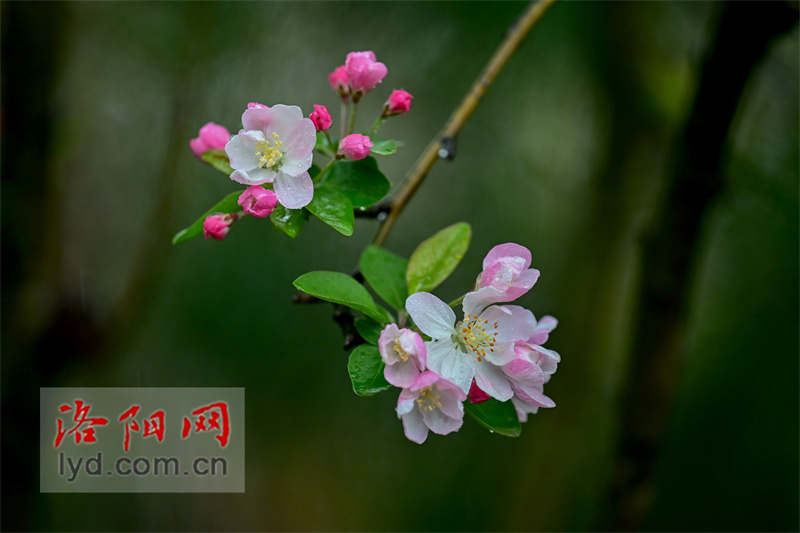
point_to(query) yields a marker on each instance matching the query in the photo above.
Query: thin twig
(443, 144)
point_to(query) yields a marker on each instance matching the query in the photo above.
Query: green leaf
(497, 416)
(383, 146)
(340, 288)
(333, 208)
(219, 160)
(229, 204)
(437, 257)
(360, 181)
(366, 371)
(289, 221)
(369, 330)
(386, 274)
(323, 146)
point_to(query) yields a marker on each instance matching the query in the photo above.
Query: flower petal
(241, 150)
(440, 423)
(437, 352)
(492, 381)
(431, 315)
(508, 249)
(414, 426)
(256, 176)
(401, 374)
(458, 367)
(542, 330)
(294, 192)
(475, 302)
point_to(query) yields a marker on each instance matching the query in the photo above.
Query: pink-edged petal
(431, 315)
(493, 382)
(532, 395)
(475, 302)
(401, 374)
(294, 192)
(524, 371)
(412, 344)
(523, 409)
(440, 423)
(241, 150)
(256, 118)
(522, 284)
(425, 379)
(256, 176)
(542, 330)
(386, 342)
(414, 426)
(450, 401)
(509, 249)
(515, 323)
(406, 402)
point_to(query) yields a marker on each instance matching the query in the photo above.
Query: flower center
(428, 399)
(401, 353)
(269, 153)
(477, 335)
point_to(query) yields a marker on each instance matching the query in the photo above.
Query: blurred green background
(567, 155)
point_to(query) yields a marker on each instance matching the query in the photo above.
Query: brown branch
(443, 145)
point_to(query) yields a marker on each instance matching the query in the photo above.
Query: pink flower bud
(211, 137)
(338, 81)
(218, 225)
(363, 72)
(476, 394)
(321, 118)
(399, 103)
(258, 201)
(256, 105)
(355, 146)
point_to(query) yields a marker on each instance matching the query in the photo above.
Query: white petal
(294, 192)
(241, 150)
(458, 367)
(415, 428)
(437, 351)
(431, 315)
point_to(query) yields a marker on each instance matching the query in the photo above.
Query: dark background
(594, 149)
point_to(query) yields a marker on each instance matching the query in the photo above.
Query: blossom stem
(343, 120)
(457, 301)
(330, 142)
(441, 146)
(377, 125)
(352, 120)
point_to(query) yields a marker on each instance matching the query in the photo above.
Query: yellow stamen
(269, 154)
(428, 399)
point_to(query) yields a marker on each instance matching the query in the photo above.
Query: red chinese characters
(80, 416)
(154, 425)
(213, 416)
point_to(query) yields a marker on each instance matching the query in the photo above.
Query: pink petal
(507, 250)
(401, 374)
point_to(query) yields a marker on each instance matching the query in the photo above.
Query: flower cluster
(274, 149)
(494, 351)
